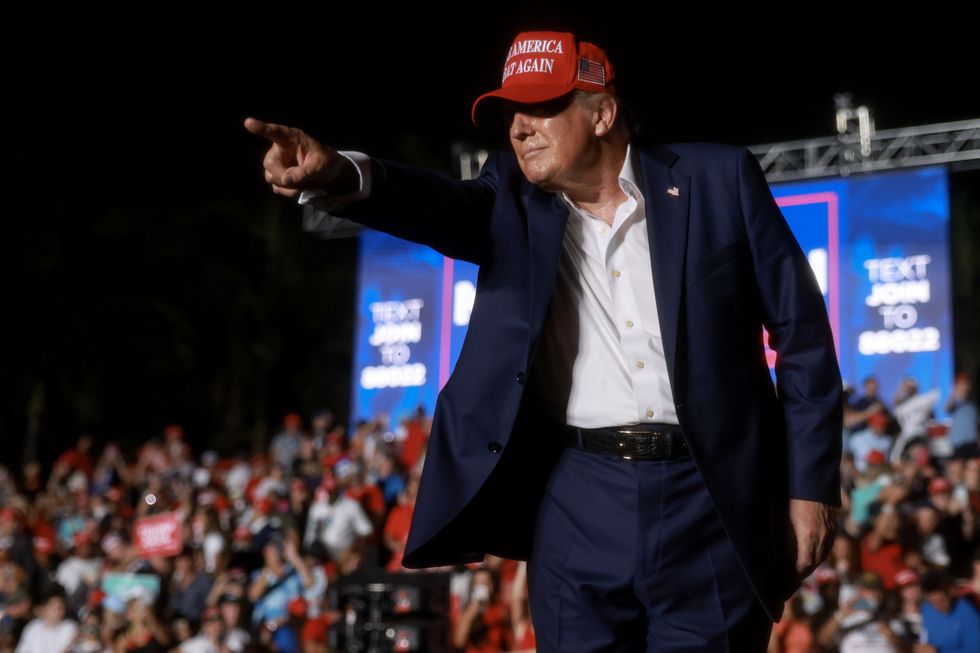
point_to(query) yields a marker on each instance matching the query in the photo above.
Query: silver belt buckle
(622, 443)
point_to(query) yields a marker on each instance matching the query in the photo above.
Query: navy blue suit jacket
(724, 264)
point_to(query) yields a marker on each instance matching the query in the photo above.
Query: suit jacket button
(521, 377)
(495, 447)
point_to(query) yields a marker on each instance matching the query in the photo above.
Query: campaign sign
(397, 327)
(158, 536)
(879, 248)
(126, 586)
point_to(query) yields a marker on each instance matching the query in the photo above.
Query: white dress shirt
(600, 360)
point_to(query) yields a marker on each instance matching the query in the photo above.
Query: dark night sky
(147, 115)
(166, 109)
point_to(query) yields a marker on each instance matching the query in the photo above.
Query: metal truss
(870, 151)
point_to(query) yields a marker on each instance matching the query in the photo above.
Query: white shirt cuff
(323, 201)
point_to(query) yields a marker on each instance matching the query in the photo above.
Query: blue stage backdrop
(878, 245)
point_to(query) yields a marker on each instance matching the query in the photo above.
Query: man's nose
(520, 126)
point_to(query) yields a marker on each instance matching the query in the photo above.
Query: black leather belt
(644, 441)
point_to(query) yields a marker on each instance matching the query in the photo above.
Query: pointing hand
(296, 161)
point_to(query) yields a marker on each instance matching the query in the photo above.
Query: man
(866, 405)
(50, 631)
(949, 623)
(861, 625)
(872, 438)
(340, 523)
(912, 410)
(963, 429)
(620, 301)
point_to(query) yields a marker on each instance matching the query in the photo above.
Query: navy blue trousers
(630, 555)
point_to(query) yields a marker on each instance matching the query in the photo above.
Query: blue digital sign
(879, 247)
(413, 306)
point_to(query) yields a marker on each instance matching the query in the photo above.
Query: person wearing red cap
(873, 440)
(285, 445)
(611, 418)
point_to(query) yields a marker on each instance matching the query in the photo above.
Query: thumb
(295, 177)
(315, 166)
(290, 175)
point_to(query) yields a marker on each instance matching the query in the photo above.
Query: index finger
(279, 134)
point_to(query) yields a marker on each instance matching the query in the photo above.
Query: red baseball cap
(297, 607)
(939, 485)
(875, 457)
(878, 419)
(542, 66)
(43, 544)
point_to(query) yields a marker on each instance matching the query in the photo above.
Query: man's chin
(543, 182)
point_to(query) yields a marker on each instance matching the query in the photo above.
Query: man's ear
(607, 110)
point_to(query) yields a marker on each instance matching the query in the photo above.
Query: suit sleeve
(808, 379)
(430, 207)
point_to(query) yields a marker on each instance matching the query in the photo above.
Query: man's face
(962, 388)
(887, 525)
(231, 611)
(940, 600)
(554, 141)
(54, 610)
(911, 592)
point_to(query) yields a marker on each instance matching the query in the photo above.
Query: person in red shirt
(484, 623)
(351, 477)
(399, 520)
(520, 613)
(79, 457)
(416, 437)
(792, 633)
(880, 550)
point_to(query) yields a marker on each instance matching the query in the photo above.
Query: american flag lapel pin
(673, 191)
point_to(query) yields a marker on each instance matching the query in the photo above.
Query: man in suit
(611, 417)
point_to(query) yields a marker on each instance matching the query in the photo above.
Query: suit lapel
(546, 219)
(667, 197)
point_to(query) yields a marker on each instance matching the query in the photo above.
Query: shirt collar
(627, 176)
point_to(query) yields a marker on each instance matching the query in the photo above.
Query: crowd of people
(167, 549)
(904, 572)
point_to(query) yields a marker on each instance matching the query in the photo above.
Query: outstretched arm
(410, 202)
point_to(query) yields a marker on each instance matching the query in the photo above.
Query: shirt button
(649, 412)
(602, 230)
(629, 323)
(616, 273)
(639, 364)
(495, 447)
(521, 377)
